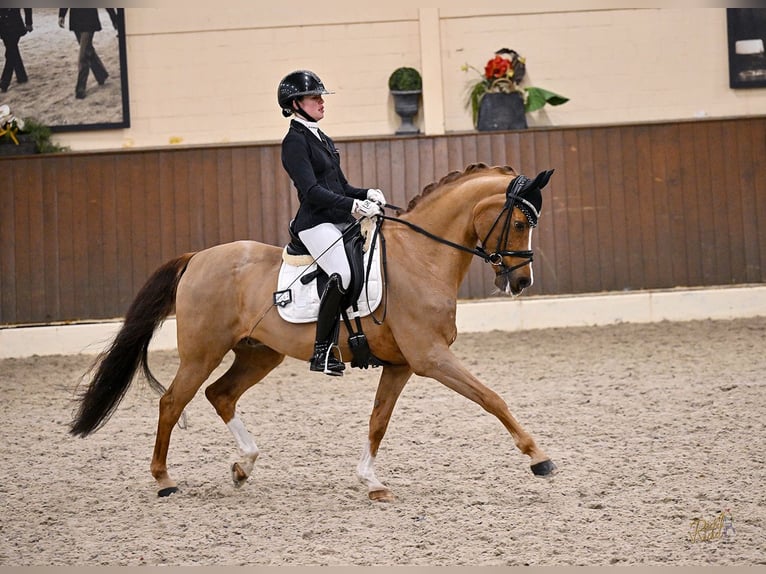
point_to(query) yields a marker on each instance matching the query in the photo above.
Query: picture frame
(50, 54)
(746, 31)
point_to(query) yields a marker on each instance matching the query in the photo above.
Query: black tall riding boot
(328, 324)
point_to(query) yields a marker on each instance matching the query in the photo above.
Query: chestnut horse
(223, 300)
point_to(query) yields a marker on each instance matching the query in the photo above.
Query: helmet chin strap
(303, 113)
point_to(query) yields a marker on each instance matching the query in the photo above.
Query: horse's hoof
(381, 495)
(544, 468)
(163, 492)
(238, 474)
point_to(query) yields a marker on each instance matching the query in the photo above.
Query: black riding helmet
(296, 85)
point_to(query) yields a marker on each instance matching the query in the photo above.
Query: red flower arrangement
(503, 74)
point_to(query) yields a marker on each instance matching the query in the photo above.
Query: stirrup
(326, 364)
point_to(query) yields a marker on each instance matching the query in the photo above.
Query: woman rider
(328, 203)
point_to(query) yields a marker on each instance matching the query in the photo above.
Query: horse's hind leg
(392, 381)
(250, 365)
(189, 378)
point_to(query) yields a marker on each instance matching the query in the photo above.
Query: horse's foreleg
(392, 381)
(187, 381)
(445, 368)
(251, 364)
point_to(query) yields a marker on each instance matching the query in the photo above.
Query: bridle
(495, 258)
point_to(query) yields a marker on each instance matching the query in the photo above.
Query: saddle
(301, 282)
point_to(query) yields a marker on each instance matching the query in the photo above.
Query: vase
(498, 111)
(406, 105)
(26, 146)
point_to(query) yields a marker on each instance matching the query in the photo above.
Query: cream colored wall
(206, 76)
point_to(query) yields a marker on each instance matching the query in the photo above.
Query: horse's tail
(117, 365)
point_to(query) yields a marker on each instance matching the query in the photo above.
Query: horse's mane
(454, 176)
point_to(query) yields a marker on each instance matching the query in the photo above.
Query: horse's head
(505, 223)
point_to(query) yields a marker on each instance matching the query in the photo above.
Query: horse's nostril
(524, 282)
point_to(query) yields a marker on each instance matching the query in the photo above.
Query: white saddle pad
(303, 305)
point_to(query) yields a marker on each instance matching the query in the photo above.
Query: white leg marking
(244, 441)
(365, 470)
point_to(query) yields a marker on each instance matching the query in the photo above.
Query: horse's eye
(519, 225)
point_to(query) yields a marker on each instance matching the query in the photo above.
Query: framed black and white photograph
(73, 66)
(747, 35)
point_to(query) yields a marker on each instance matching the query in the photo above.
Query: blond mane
(453, 176)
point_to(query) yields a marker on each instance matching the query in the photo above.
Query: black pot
(406, 105)
(502, 112)
(26, 146)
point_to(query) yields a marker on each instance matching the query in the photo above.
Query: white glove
(365, 208)
(377, 196)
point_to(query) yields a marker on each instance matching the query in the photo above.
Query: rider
(328, 203)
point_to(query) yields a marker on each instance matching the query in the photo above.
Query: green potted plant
(406, 86)
(498, 101)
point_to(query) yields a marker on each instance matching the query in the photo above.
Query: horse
(223, 301)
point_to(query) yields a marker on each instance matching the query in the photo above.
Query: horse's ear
(541, 180)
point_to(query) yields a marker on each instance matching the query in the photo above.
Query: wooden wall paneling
(31, 186)
(439, 152)
(80, 238)
(397, 171)
(52, 237)
(632, 184)
(554, 215)
(8, 312)
(166, 191)
(96, 182)
(672, 215)
(590, 206)
(685, 204)
(733, 191)
(132, 225)
(647, 208)
(719, 197)
(603, 209)
(748, 204)
(576, 244)
(498, 153)
(110, 266)
(149, 212)
(255, 197)
(66, 240)
(22, 245)
(413, 167)
(211, 189)
(266, 186)
(196, 165)
(240, 203)
(688, 216)
(433, 163)
(224, 195)
(180, 207)
(705, 208)
(129, 268)
(610, 170)
(383, 162)
(758, 143)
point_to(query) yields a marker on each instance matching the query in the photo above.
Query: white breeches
(325, 243)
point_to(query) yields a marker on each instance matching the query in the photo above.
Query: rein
(495, 258)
